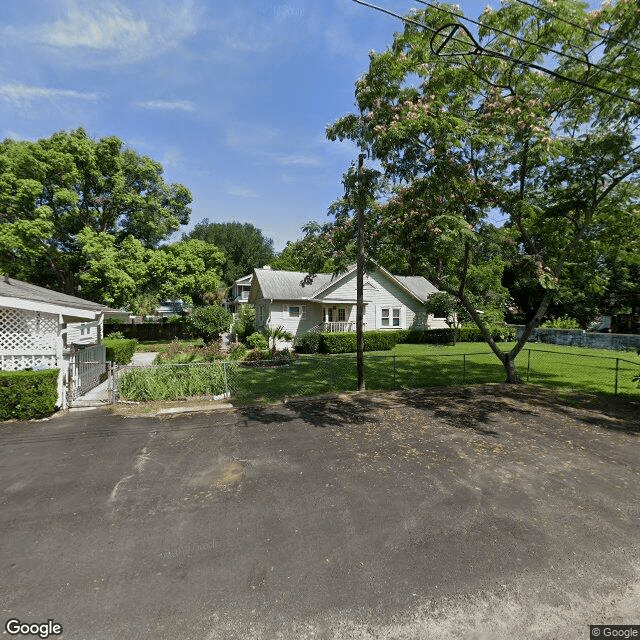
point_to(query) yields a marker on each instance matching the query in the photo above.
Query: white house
(329, 304)
(44, 329)
(239, 294)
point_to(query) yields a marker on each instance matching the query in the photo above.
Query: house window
(296, 311)
(261, 313)
(390, 317)
(342, 314)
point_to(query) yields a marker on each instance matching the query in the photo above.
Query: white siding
(296, 326)
(78, 333)
(379, 293)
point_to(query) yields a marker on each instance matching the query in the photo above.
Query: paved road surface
(395, 516)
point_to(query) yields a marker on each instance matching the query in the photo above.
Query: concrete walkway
(143, 358)
(101, 395)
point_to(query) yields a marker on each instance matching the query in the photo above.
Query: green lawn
(417, 366)
(410, 366)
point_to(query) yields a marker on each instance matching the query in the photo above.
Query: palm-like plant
(273, 334)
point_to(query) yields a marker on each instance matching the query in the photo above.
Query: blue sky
(231, 97)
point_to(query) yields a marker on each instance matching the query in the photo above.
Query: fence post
(615, 392)
(528, 363)
(464, 368)
(225, 378)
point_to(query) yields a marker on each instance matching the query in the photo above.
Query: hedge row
(120, 350)
(315, 342)
(28, 394)
(340, 342)
(466, 333)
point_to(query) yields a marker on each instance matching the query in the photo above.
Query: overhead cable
(542, 47)
(480, 50)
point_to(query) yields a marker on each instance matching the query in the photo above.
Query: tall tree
(122, 276)
(465, 136)
(244, 246)
(53, 189)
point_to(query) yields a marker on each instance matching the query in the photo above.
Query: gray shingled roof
(13, 288)
(419, 286)
(285, 285)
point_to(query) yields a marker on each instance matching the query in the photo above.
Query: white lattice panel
(19, 363)
(27, 331)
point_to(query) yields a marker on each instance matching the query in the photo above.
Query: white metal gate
(88, 368)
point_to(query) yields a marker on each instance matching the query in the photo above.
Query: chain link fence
(272, 381)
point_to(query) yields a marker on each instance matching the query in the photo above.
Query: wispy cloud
(166, 105)
(111, 27)
(299, 160)
(20, 94)
(242, 192)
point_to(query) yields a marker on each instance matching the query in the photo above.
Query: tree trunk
(510, 369)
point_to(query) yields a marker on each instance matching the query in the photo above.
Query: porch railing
(338, 326)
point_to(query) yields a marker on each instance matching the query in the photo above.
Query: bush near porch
(28, 394)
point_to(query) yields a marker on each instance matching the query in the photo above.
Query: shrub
(307, 342)
(237, 352)
(429, 336)
(561, 323)
(468, 332)
(257, 341)
(28, 394)
(115, 335)
(379, 340)
(243, 325)
(209, 322)
(256, 354)
(333, 342)
(273, 334)
(120, 350)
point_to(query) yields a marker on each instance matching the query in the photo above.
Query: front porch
(345, 326)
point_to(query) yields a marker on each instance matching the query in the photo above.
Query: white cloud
(299, 160)
(166, 105)
(110, 27)
(20, 94)
(242, 192)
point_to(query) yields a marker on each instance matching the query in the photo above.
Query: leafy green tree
(54, 188)
(243, 325)
(209, 322)
(444, 305)
(187, 270)
(128, 274)
(463, 137)
(312, 253)
(244, 246)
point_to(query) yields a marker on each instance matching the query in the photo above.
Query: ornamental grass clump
(171, 382)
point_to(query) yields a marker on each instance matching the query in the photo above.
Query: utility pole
(361, 203)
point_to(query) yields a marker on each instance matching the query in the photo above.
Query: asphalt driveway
(429, 514)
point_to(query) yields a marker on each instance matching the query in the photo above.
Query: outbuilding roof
(16, 289)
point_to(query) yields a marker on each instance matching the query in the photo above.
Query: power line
(529, 42)
(479, 50)
(555, 16)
